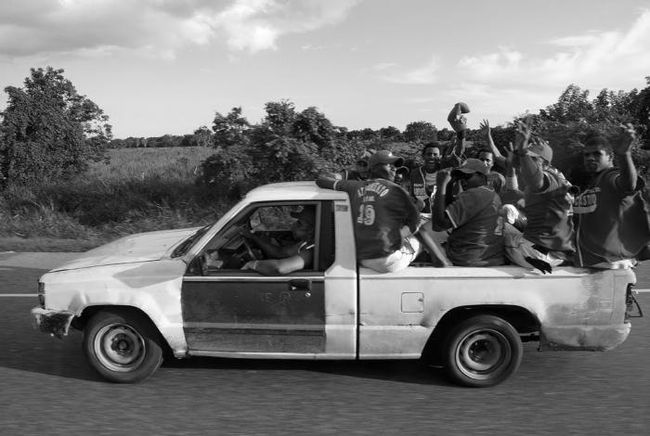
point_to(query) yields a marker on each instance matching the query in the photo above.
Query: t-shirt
(611, 226)
(549, 214)
(380, 208)
(477, 235)
(496, 181)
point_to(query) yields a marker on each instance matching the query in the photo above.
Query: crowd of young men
(531, 215)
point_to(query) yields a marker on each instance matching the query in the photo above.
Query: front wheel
(482, 351)
(122, 347)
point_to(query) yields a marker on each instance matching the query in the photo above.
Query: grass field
(136, 190)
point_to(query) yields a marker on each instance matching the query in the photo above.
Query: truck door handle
(300, 285)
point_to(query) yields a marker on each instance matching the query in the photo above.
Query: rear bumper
(589, 338)
(55, 322)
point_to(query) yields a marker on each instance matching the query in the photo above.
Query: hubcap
(483, 354)
(119, 347)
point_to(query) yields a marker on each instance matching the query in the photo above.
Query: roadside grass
(138, 190)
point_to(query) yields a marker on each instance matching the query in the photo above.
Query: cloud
(158, 27)
(423, 75)
(592, 59)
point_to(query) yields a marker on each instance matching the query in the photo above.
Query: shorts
(398, 259)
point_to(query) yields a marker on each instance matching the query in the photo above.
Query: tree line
(49, 131)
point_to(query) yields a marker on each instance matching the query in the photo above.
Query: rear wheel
(482, 351)
(122, 347)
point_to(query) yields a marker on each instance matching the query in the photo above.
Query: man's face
(596, 159)
(385, 171)
(431, 156)
(486, 158)
(362, 169)
(302, 230)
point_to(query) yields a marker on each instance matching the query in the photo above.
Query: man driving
(281, 260)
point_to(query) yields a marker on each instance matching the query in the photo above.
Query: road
(46, 387)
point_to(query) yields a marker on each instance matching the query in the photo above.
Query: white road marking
(19, 295)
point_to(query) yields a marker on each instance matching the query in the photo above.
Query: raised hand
(624, 139)
(443, 177)
(524, 133)
(485, 127)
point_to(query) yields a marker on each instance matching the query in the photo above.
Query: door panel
(255, 314)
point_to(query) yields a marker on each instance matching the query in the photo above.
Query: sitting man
(548, 200)
(476, 237)
(281, 260)
(386, 217)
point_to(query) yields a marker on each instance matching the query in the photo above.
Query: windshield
(184, 246)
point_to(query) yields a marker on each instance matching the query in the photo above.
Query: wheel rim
(483, 354)
(119, 347)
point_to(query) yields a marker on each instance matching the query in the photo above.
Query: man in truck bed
(382, 209)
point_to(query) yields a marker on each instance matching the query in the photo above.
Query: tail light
(633, 309)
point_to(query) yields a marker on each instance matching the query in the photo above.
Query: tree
(48, 130)
(230, 129)
(202, 137)
(390, 133)
(312, 126)
(420, 131)
(573, 105)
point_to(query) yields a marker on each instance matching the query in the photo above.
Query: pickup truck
(154, 295)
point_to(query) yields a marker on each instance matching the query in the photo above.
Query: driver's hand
(246, 232)
(251, 264)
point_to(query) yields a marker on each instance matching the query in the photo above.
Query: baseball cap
(541, 149)
(471, 166)
(383, 157)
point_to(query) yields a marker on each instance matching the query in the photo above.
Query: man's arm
(270, 249)
(328, 181)
(530, 172)
(499, 159)
(280, 267)
(622, 145)
(439, 219)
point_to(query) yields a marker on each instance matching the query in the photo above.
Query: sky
(167, 66)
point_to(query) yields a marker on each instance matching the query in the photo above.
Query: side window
(271, 231)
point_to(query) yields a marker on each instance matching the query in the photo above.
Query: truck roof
(306, 190)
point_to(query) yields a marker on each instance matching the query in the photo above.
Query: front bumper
(591, 338)
(55, 322)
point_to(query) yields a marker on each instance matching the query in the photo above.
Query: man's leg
(435, 250)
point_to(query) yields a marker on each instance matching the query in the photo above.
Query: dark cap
(383, 157)
(541, 149)
(471, 166)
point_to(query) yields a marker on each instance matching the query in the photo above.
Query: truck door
(227, 310)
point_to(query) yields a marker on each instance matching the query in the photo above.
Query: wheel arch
(522, 319)
(79, 322)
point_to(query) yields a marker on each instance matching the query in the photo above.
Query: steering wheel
(249, 250)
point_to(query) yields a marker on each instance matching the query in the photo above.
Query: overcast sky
(166, 66)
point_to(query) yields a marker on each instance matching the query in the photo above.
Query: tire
(123, 347)
(482, 351)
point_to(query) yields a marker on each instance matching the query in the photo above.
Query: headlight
(41, 294)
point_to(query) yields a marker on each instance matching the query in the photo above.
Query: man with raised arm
(612, 226)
